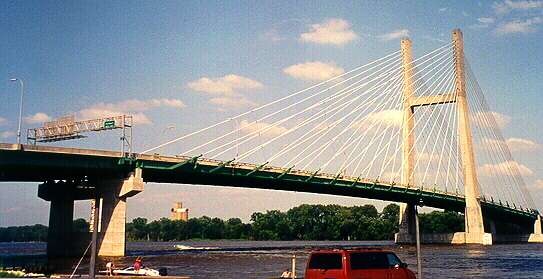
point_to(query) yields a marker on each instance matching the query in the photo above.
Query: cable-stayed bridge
(400, 128)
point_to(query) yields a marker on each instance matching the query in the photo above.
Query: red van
(356, 264)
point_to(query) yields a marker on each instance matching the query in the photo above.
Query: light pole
(20, 108)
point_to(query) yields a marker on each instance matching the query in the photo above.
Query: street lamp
(20, 108)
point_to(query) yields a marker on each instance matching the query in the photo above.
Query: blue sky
(188, 64)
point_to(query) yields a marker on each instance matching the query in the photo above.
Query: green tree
(140, 231)
(235, 229)
(441, 222)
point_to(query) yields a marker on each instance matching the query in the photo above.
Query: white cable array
(274, 102)
(319, 129)
(387, 63)
(350, 91)
(512, 187)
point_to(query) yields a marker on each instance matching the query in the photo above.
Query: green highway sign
(109, 124)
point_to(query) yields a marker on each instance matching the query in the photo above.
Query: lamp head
(12, 79)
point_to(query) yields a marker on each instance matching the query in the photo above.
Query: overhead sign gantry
(66, 128)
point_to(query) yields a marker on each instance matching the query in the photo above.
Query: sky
(177, 66)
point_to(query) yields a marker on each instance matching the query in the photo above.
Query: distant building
(179, 212)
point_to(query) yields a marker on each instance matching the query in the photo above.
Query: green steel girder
(285, 172)
(191, 161)
(335, 179)
(16, 165)
(312, 176)
(221, 165)
(256, 169)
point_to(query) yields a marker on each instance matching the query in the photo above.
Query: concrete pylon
(475, 232)
(407, 211)
(112, 232)
(537, 225)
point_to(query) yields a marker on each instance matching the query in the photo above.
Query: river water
(267, 259)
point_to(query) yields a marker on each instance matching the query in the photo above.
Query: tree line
(304, 222)
(36, 232)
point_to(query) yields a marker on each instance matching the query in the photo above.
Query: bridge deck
(31, 163)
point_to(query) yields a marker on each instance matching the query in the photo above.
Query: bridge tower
(474, 225)
(475, 231)
(407, 211)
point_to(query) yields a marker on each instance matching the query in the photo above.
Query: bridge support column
(59, 236)
(407, 232)
(61, 241)
(537, 225)
(113, 193)
(475, 232)
(537, 236)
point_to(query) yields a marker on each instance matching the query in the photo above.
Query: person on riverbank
(138, 264)
(286, 274)
(109, 268)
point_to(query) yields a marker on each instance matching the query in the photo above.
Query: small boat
(144, 271)
(189, 248)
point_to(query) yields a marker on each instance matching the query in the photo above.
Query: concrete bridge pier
(60, 226)
(112, 220)
(407, 228)
(60, 238)
(537, 236)
(112, 194)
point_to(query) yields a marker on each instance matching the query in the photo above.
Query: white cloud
(441, 10)
(502, 120)
(232, 102)
(225, 90)
(504, 168)
(539, 184)
(313, 71)
(397, 34)
(270, 130)
(7, 134)
(507, 6)
(489, 144)
(486, 20)
(518, 144)
(519, 26)
(3, 121)
(389, 117)
(132, 107)
(272, 35)
(225, 85)
(97, 112)
(483, 22)
(333, 31)
(39, 117)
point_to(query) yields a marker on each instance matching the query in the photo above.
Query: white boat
(186, 247)
(144, 271)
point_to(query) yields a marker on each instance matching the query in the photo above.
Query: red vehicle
(356, 264)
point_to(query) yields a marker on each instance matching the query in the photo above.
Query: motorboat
(130, 271)
(189, 248)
